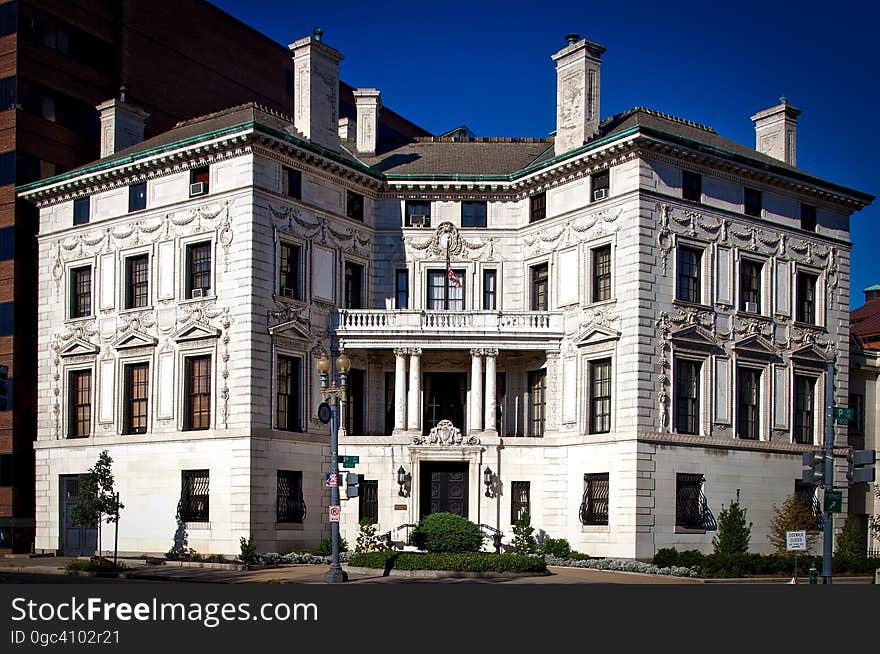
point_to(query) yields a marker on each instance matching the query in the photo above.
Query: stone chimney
(577, 92)
(368, 103)
(776, 132)
(316, 90)
(122, 124)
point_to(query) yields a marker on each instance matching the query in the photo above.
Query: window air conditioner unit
(419, 220)
(287, 292)
(199, 292)
(600, 194)
(197, 188)
(752, 307)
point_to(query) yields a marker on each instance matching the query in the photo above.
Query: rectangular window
(7, 318)
(602, 274)
(600, 396)
(354, 284)
(687, 283)
(80, 401)
(354, 205)
(749, 286)
(691, 186)
(289, 272)
(354, 404)
(808, 217)
(198, 180)
(198, 270)
(748, 393)
(136, 395)
(137, 274)
(443, 293)
(6, 384)
(594, 505)
(473, 214)
(7, 243)
(806, 298)
(291, 506)
(537, 207)
(519, 500)
(291, 183)
(8, 18)
(418, 213)
(490, 290)
(401, 289)
(689, 501)
(197, 412)
(81, 207)
(752, 202)
(287, 395)
(687, 396)
(389, 402)
(137, 197)
(540, 288)
(600, 183)
(194, 496)
(5, 470)
(81, 292)
(368, 499)
(804, 404)
(537, 401)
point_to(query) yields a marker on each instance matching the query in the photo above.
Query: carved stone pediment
(809, 356)
(195, 330)
(595, 334)
(755, 347)
(135, 339)
(78, 347)
(693, 338)
(445, 434)
(291, 329)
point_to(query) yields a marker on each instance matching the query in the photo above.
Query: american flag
(451, 275)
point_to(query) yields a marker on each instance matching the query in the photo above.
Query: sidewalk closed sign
(795, 540)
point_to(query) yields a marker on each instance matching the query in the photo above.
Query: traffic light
(856, 458)
(814, 462)
(351, 488)
(4, 388)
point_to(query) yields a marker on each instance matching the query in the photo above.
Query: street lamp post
(335, 397)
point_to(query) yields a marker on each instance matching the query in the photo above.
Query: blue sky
(487, 65)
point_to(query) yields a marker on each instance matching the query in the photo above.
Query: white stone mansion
(621, 328)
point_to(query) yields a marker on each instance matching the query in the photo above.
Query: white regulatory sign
(334, 512)
(795, 540)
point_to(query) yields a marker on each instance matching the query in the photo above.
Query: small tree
(523, 540)
(795, 515)
(733, 532)
(851, 542)
(98, 499)
(367, 541)
(875, 520)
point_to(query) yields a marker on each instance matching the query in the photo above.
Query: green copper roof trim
(131, 158)
(875, 287)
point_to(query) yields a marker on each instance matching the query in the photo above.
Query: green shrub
(733, 533)
(556, 547)
(450, 561)
(523, 540)
(325, 547)
(852, 542)
(94, 565)
(367, 540)
(578, 556)
(447, 532)
(248, 550)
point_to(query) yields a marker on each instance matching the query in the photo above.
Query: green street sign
(833, 501)
(843, 415)
(350, 461)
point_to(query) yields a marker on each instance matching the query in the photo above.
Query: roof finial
(572, 38)
(123, 93)
(783, 100)
(318, 32)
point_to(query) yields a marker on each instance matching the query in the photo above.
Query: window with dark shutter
(291, 506)
(594, 505)
(194, 496)
(690, 503)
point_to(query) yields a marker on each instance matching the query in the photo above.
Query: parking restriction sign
(334, 512)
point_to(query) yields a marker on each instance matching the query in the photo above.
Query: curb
(441, 574)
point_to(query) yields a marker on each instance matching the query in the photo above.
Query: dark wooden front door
(444, 487)
(444, 399)
(75, 541)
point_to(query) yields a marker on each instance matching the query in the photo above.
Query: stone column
(476, 407)
(490, 399)
(400, 388)
(415, 389)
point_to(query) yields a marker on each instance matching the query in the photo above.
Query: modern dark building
(58, 60)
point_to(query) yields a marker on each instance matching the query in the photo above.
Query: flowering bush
(296, 558)
(621, 565)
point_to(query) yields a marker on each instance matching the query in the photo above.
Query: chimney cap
(572, 38)
(318, 33)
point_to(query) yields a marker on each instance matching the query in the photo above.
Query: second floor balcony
(439, 329)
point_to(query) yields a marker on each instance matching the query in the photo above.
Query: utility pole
(828, 478)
